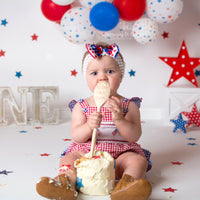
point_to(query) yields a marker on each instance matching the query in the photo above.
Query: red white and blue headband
(96, 51)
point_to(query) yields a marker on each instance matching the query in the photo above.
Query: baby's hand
(94, 120)
(115, 108)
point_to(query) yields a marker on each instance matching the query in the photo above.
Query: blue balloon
(104, 16)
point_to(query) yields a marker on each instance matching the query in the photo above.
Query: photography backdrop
(34, 52)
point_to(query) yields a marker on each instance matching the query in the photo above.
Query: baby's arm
(81, 129)
(129, 126)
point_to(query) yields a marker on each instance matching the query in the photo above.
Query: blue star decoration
(5, 172)
(197, 73)
(4, 22)
(79, 182)
(132, 73)
(191, 138)
(192, 144)
(18, 74)
(23, 131)
(179, 123)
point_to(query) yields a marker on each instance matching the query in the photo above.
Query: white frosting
(97, 174)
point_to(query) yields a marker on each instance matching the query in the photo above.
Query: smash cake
(96, 175)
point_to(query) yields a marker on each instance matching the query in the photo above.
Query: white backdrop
(48, 61)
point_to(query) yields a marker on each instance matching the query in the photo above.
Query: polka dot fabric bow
(96, 51)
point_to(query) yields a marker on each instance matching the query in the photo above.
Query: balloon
(145, 30)
(90, 3)
(130, 10)
(164, 11)
(63, 2)
(104, 16)
(76, 25)
(122, 31)
(52, 11)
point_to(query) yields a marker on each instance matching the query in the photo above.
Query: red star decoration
(34, 37)
(177, 163)
(169, 189)
(67, 139)
(45, 154)
(183, 66)
(165, 35)
(193, 116)
(73, 72)
(2, 53)
(38, 127)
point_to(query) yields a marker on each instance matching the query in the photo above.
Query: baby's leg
(62, 187)
(132, 164)
(131, 168)
(67, 164)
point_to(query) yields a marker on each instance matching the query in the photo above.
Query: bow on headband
(96, 51)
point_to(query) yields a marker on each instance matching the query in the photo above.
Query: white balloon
(121, 32)
(145, 30)
(76, 25)
(90, 3)
(63, 2)
(164, 11)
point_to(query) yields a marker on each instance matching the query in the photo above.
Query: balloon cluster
(81, 20)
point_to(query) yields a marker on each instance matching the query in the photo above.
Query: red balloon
(52, 11)
(130, 10)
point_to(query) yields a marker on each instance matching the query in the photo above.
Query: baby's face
(104, 69)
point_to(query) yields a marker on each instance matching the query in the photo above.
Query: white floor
(21, 148)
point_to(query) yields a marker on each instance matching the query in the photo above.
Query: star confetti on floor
(38, 127)
(132, 73)
(74, 72)
(4, 22)
(165, 35)
(191, 138)
(183, 66)
(179, 123)
(18, 74)
(34, 37)
(45, 154)
(67, 139)
(169, 189)
(192, 144)
(193, 116)
(2, 53)
(5, 172)
(23, 131)
(177, 163)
